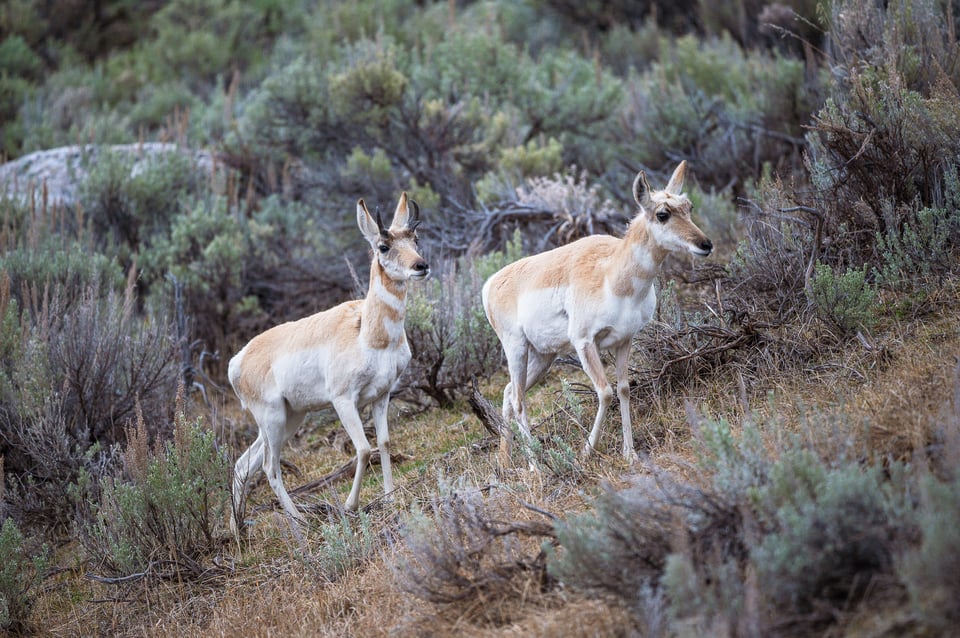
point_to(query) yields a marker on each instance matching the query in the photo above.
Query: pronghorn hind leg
(622, 357)
(275, 425)
(510, 416)
(593, 366)
(514, 410)
(248, 464)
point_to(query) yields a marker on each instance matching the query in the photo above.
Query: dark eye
(383, 248)
(662, 216)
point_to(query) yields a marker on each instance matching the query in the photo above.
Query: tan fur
(374, 332)
(347, 357)
(589, 295)
(342, 323)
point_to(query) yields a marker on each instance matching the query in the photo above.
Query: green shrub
(882, 145)
(52, 266)
(204, 249)
(450, 338)
(348, 542)
(847, 301)
(707, 599)
(440, 115)
(621, 546)
(127, 208)
(18, 59)
(554, 453)
(163, 506)
(728, 110)
(924, 250)
(20, 69)
(21, 572)
(516, 165)
(931, 571)
(760, 534)
(737, 463)
(834, 531)
(772, 255)
(824, 527)
(239, 274)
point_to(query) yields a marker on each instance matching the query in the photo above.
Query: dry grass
(271, 585)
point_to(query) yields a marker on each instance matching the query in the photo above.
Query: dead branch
(343, 472)
(489, 416)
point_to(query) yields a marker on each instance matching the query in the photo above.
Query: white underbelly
(312, 380)
(551, 322)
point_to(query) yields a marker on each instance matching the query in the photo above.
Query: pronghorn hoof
(631, 456)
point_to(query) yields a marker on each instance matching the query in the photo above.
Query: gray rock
(61, 170)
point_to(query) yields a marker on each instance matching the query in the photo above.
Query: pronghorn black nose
(421, 266)
(707, 246)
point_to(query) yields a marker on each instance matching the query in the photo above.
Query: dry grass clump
(469, 548)
(898, 385)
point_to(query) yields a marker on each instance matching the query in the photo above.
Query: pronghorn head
(395, 248)
(667, 213)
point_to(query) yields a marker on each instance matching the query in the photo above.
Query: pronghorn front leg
(379, 410)
(271, 467)
(622, 356)
(350, 418)
(593, 366)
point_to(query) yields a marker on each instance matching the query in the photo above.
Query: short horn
(414, 219)
(383, 231)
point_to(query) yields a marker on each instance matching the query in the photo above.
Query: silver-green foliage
(932, 570)
(164, 506)
(760, 517)
(347, 543)
(847, 301)
(924, 251)
(72, 372)
(722, 105)
(126, 207)
(832, 530)
(21, 572)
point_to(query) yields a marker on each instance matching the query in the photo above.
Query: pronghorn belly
(304, 379)
(543, 321)
(618, 319)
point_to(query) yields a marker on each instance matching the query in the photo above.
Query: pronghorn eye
(383, 248)
(662, 216)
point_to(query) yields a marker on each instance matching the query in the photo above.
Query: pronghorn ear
(676, 181)
(368, 225)
(641, 190)
(402, 214)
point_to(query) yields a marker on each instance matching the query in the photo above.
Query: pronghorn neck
(384, 309)
(639, 255)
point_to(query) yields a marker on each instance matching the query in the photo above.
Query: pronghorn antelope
(348, 356)
(590, 295)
